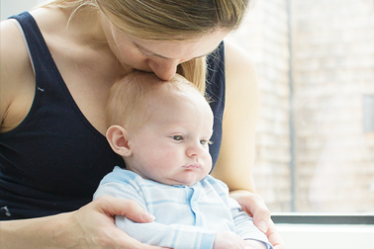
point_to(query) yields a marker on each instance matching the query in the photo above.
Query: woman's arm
(92, 226)
(235, 162)
(236, 159)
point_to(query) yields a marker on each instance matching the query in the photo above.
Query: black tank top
(54, 160)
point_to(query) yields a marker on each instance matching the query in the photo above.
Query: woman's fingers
(274, 237)
(129, 208)
(93, 225)
(255, 206)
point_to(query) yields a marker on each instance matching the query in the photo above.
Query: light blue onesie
(186, 216)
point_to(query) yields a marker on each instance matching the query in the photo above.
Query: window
(315, 65)
(368, 115)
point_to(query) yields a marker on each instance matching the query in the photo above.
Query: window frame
(324, 218)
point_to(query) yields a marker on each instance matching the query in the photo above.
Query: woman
(53, 94)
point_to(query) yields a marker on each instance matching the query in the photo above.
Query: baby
(162, 131)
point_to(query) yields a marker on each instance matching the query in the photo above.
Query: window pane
(315, 136)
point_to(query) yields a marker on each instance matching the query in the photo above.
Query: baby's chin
(187, 181)
(177, 183)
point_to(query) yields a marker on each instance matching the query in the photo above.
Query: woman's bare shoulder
(238, 62)
(14, 55)
(241, 79)
(16, 74)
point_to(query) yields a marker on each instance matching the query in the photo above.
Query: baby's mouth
(193, 166)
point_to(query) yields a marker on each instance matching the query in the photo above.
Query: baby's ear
(117, 138)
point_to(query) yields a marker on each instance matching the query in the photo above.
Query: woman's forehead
(176, 49)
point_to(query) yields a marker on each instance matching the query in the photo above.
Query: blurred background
(11, 7)
(315, 137)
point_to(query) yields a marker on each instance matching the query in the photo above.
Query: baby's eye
(203, 142)
(177, 137)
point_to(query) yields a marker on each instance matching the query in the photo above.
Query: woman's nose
(165, 70)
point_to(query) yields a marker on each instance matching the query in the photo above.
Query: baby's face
(173, 146)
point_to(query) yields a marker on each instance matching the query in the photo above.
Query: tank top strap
(40, 56)
(215, 89)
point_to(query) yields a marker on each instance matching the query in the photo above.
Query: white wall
(11, 7)
(327, 236)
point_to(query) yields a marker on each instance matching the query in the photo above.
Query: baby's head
(160, 128)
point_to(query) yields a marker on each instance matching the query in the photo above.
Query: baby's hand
(228, 240)
(254, 244)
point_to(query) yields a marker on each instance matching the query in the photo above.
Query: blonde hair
(169, 20)
(127, 101)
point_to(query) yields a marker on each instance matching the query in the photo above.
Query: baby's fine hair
(127, 100)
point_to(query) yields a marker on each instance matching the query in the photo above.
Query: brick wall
(333, 68)
(332, 64)
(264, 34)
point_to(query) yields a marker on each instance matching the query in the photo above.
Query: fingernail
(262, 226)
(148, 217)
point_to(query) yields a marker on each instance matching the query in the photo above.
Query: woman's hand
(256, 208)
(94, 224)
